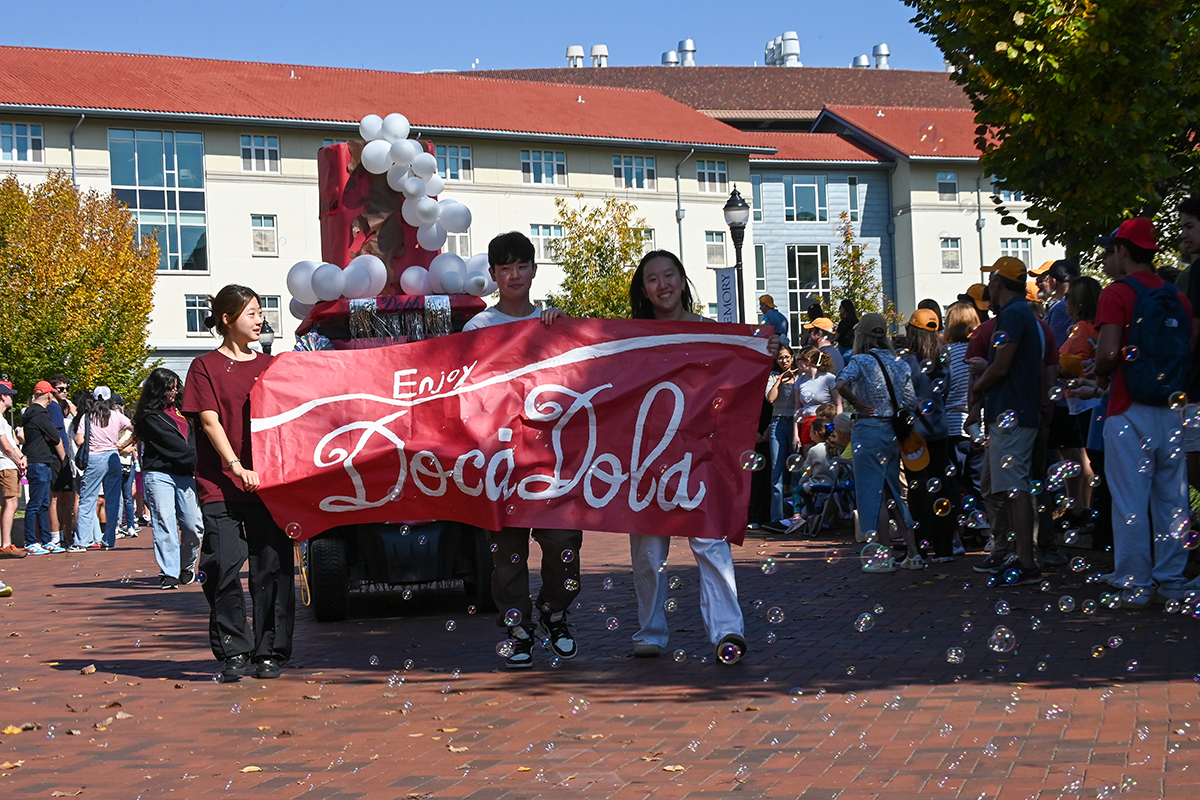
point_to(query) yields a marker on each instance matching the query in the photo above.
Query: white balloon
(424, 165)
(454, 216)
(379, 273)
(328, 281)
(397, 174)
(431, 236)
(404, 151)
(434, 185)
(491, 287)
(356, 280)
(478, 263)
(370, 127)
(395, 126)
(415, 280)
(448, 270)
(299, 310)
(476, 284)
(409, 212)
(413, 188)
(377, 156)
(428, 210)
(299, 281)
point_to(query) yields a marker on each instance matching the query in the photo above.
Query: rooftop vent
(575, 56)
(881, 53)
(670, 59)
(783, 51)
(861, 62)
(687, 53)
(599, 55)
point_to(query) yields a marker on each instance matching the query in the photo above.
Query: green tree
(76, 287)
(854, 277)
(598, 250)
(1088, 108)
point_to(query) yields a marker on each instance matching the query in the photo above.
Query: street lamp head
(737, 211)
(266, 335)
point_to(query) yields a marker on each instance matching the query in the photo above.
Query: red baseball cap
(1138, 231)
(43, 387)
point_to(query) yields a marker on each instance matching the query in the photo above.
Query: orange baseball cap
(1009, 267)
(925, 319)
(822, 323)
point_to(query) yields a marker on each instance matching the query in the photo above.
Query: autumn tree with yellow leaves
(76, 287)
(599, 248)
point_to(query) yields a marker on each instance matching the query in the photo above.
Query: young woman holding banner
(660, 290)
(237, 526)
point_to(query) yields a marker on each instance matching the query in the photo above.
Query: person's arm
(80, 430)
(210, 423)
(13, 453)
(998, 370)
(551, 314)
(862, 408)
(1108, 348)
(161, 433)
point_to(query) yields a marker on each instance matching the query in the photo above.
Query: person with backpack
(1144, 346)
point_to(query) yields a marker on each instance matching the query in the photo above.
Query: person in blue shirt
(772, 316)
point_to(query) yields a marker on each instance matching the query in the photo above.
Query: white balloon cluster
(449, 274)
(311, 282)
(412, 172)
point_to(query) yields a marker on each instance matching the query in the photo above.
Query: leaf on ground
(251, 769)
(31, 726)
(312, 697)
(124, 715)
(10, 730)
(454, 749)
(447, 730)
(524, 769)
(415, 735)
(13, 635)
(673, 768)
(264, 727)
(88, 670)
(113, 704)
(286, 732)
(104, 723)
(11, 765)
(57, 793)
(74, 732)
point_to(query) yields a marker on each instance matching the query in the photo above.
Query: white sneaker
(5, 590)
(858, 536)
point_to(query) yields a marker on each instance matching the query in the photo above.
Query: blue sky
(414, 37)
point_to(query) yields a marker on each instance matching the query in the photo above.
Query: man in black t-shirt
(45, 454)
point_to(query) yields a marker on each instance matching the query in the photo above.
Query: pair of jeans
(876, 457)
(780, 436)
(37, 510)
(175, 519)
(718, 588)
(128, 510)
(510, 575)
(103, 469)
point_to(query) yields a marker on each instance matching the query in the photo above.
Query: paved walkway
(393, 705)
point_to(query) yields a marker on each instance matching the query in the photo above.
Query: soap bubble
(1066, 603)
(1006, 463)
(955, 655)
(729, 653)
(567, 556)
(293, 530)
(772, 638)
(1130, 352)
(1177, 401)
(795, 462)
(670, 604)
(967, 626)
(505, 648)
(1036, 487)
(928, 407)
(942, 507)
(571, 585)
(451, 624)
(1191, 416)
(1078, 564)
(1132, 665)
(775, 615)
(555, 662)
(512, 617)
(769, 566)
(679, 656)
(373, 661)
(1007, 420)
(607, 583)
(864, 622)
(1002, 608)
(1098, 651)
(1055, 393)
(933, 485)
(1002, 640)
(612, 623)
(471, 609)
(408, 663)
(999, 339)
(969, 502)
(201, 578)
(1089, 607)
(753, 461)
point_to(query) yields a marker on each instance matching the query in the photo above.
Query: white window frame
(260, 153)
(272, 312)
(629, 170)
(712, 176)
(760, 268)
(542, 236)
(12, 133)
(454, 163)
(196, 308)
(546, 167)
(647, 237)
(819, 184)
(756, 197)
(1021, 249)
(947, 178)
(714, 245)
(823, 288)
(459, 244)
(258, 225)
(855, 199)
(952, 257)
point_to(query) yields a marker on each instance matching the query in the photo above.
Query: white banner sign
(727, 295)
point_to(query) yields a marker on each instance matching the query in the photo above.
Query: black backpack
(1161, 332)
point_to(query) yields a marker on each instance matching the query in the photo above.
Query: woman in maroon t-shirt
(237, 526)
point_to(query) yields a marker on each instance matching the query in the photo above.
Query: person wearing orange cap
(977, 295)
(1011, 389)
(1144, 345)
(820, 336)
(772, 316)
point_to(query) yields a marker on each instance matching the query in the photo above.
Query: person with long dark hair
(101, 432)
(237, 526)
(847, 319)
(168, 477)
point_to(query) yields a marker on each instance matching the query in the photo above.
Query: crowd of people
(1037, 409)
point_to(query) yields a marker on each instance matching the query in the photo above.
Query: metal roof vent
(575, 56)
(670, 59)
(861, 62)
(687, 53)
(599, 55)
(789, 51)
(881, 53)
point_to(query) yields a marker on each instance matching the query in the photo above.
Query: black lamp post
(266, 337)
(737, 214)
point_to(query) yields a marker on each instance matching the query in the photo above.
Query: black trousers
(937, 530)
(510, 578)
(235, 534)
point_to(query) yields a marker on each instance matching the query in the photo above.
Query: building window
(948, 186)
(852, 185)
(713, 310)
(1015, 248)
(760, 268)
(951, 255)
(811, 203)
(453, 163)
(756, 196)
(807, 279)
(711, 176)
(647, 237)
(634, 172)
(160, 176)
(1005, 195)
(714, 242)
(328, 142)
(260, 154)
(459, 244)
(197, 309)
(543, 237)
(271, 315)
(262, 228)
(544, 166)
(20, 142)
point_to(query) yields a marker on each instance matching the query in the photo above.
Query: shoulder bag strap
(888, 382)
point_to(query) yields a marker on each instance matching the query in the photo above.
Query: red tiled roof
(914, 132)
(814, 147)
(74, 79)
(735, 89)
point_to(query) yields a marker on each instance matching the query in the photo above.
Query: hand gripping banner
(608, 425)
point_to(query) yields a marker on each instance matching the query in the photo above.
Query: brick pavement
(882, 714)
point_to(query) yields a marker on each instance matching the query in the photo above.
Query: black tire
(479, 587)
(329, 578)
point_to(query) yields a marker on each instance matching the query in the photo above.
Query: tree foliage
(854, 277)
(76, 287)
(1089, 108)
(598, 250)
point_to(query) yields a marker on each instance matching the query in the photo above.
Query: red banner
(610, 425)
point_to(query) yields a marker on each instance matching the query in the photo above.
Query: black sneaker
(731, 648)
(992, 564)
(1020, 576)
(235, 667)
(167, 582)
(187, 577)
(268, 668)
(522, 654)
(561, 640)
